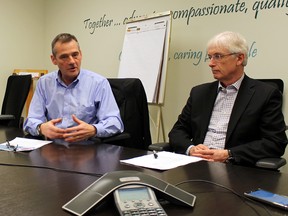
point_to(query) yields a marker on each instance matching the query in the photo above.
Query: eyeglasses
(11, 147)
(218, 57)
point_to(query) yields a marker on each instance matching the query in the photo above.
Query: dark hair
(63, 38)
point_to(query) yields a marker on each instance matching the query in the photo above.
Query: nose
(71, 60)
(211, 62)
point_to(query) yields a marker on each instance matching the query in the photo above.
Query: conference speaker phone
(137, 200)
(133, 192)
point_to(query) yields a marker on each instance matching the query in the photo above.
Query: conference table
(41, 181)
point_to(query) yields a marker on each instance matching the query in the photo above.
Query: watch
(230, 158)
(38, 130)
(230, 154)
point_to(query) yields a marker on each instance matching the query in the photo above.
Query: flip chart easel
(145, 56)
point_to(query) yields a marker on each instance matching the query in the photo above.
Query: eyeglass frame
(218, 56)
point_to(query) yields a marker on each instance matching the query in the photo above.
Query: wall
(22, 37)
(99, 26)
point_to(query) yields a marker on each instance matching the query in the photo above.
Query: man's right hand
(49, 130)
(194, 150)
(220, 155)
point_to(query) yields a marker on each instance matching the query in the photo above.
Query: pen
(155, 154)
(9, 146)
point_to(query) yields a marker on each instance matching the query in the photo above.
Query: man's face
(68, 59)
(225, 66)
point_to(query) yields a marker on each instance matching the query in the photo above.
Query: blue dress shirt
(89, 97)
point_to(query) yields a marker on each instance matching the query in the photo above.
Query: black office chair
(132, 102)
(277, 83)
(272, 163)
(266, 163)
(16, 93)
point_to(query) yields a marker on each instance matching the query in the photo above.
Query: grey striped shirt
(217, 129)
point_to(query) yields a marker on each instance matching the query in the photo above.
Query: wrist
(230, 157)
(38, 130)
(229, 153)
(189, 149)
(94, 131)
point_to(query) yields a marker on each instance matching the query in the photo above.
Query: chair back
(272, 163)
(132, 102)
(16, 93)
(277, 83)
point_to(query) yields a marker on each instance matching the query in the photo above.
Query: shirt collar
(235, 85)
(60, 81)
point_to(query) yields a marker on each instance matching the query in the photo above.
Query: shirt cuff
(99, 130)
(188, 149)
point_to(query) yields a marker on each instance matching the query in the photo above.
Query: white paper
(24, 144)
(164, 161)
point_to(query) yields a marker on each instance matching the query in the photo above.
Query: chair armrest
(6, 117)
(271, 163)
(117, 137)
(110, 140)
(160, 147)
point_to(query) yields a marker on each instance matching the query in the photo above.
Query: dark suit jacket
(256, 128)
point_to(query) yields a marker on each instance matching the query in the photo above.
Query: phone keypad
(145, 212)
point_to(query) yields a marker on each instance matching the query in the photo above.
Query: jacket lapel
(245, 94)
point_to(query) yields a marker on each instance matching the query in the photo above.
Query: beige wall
(22, 37)
(30, 25)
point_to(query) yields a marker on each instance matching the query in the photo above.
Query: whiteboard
(145, 53)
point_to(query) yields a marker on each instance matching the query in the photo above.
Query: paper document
(164, 161)
(142, 55)
(23, 144)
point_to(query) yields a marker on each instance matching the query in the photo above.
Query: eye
(75, 55)
(63, 57)
(217, 56)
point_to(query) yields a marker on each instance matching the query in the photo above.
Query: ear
(53, 59)
(240, 59)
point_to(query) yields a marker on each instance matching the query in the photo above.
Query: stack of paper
(163, 161)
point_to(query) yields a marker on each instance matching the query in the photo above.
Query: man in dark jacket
(235, 118)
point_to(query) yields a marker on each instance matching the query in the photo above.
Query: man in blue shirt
(71, 103)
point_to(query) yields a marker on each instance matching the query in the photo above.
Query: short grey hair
(232, 41)
(63, 38)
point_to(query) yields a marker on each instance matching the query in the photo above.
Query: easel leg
(160, 124)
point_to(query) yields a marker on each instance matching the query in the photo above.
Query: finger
(72, 130)
(204, 152)
(60, 131)
(205, 157)
(196, 155)
(75, 119)
(54, 121)
(58, 136)
(203, 147)
(73, 139)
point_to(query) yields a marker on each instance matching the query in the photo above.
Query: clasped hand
(204, 152)
(81, 131)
